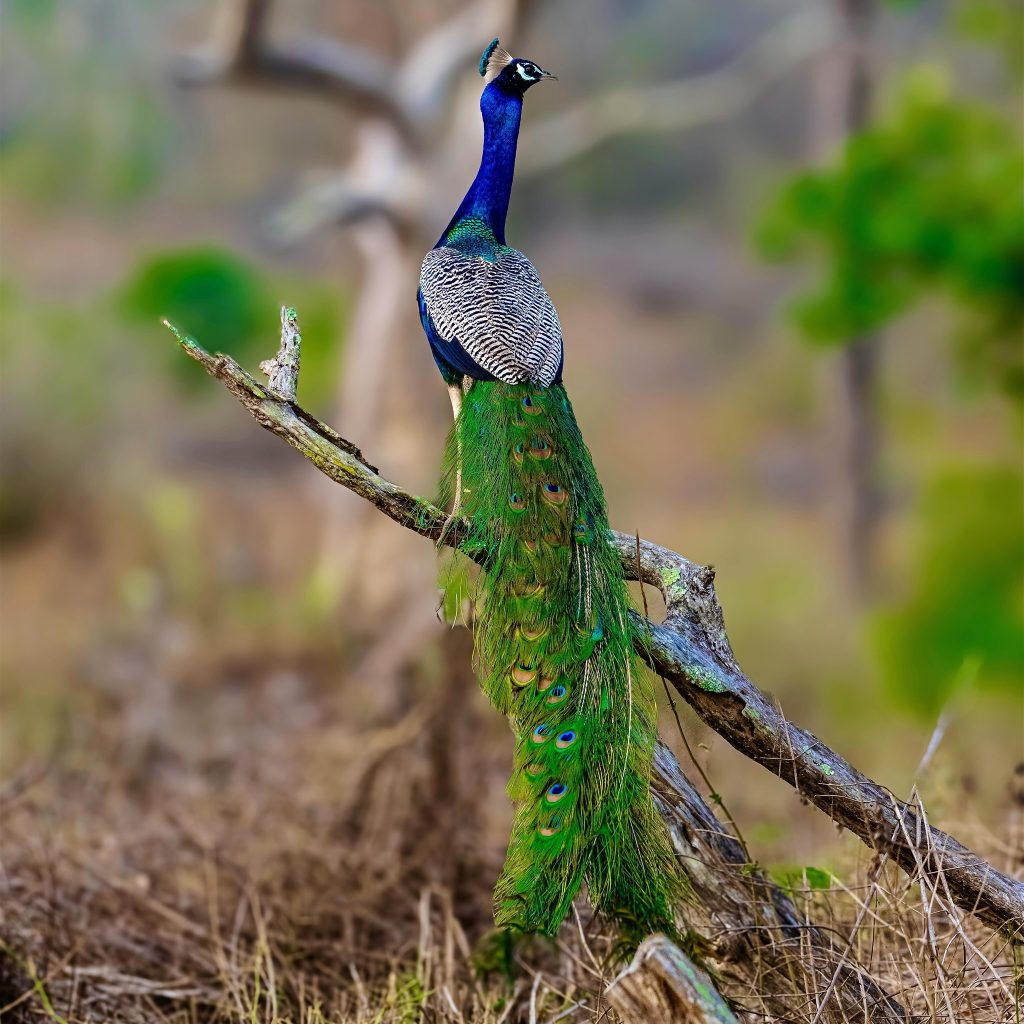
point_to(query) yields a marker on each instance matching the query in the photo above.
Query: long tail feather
(554, 652)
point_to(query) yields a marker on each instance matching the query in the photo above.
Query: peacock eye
(557, 694)
(553, 825)
(566, 739)
(541, 733)
(554, 493)
(556, 792)
(523, 673)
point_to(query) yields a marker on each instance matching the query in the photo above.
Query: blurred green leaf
(32, 11)
(229, 305)
(967, 602)
(796, 878)
(215, 296)
(817, 879)
(928, 201)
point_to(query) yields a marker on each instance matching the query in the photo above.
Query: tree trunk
(861, 356)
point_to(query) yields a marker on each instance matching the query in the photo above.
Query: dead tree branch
(661, 986)
(691, 650)
(238, 51)
(283, 369)
(410, 94)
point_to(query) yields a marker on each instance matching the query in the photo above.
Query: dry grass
(906, 932)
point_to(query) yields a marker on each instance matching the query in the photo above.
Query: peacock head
(510, 74)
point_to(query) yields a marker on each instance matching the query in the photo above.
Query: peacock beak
(546, 75)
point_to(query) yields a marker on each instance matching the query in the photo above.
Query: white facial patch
(527, 76)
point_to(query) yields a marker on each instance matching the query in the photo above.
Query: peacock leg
(455, 393)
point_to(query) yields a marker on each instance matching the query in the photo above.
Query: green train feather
(555, 654)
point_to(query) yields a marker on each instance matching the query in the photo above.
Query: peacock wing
(496, 310)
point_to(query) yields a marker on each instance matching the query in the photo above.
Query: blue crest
(491, 47)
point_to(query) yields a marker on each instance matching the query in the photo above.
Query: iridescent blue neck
(487, 198)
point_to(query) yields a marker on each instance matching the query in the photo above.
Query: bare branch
(663, 984)
(691, 650)
(283, 369)
(680, 105)
(238, 51)
(339, 201)
(411, 95)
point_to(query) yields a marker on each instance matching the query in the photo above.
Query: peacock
(553, 642)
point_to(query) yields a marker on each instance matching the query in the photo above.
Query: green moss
(707, 680)
(669, 577)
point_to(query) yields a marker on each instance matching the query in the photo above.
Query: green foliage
(798, 878)
(32, 13)
(928, 199)
(967, 603)
(214, 294)
(232, 306)
(404, 1003)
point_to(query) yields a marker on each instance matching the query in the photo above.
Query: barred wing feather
(497, 311)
